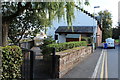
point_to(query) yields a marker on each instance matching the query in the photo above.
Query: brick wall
(99, 36)
(67, 59)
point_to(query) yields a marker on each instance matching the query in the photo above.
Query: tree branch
(17, 13)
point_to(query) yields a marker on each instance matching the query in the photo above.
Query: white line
(97, 66)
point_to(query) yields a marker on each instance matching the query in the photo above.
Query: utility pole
(94, 29)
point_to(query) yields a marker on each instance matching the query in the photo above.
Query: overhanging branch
(17, 13)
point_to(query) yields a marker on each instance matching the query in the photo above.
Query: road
(107, 65)
(113, 63)
(103, 63)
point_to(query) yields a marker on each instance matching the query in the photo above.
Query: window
(56, 37)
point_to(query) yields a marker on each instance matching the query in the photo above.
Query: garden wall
(66, 60)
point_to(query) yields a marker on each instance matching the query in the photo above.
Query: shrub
(117, 40)
(12, 59)
(88, 39)
(62, 46)
(48, 40)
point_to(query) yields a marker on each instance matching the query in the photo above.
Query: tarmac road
(108, 64)
(112, 62)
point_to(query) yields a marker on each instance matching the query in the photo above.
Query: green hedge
(62, 46)
(12, 59)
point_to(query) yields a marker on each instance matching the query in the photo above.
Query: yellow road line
(106, 67)
(103, 63)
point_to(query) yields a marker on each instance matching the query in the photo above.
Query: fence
(27, 66)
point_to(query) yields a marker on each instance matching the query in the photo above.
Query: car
(110, 43)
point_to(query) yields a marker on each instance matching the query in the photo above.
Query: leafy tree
(116, 33)
(27, 15)
(106, 24)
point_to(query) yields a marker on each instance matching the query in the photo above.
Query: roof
(75, 29)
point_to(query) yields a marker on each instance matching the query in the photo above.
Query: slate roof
(75, 29)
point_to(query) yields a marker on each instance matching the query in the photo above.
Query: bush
(48, 40)
(62, 46)
(12, 59)
(117, 40)
(88, 39)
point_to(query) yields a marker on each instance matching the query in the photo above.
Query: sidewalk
(85, 68)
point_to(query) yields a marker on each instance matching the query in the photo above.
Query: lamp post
(94, 29)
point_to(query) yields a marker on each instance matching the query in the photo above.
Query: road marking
(103, 65)
(106, 68)
(97, 66)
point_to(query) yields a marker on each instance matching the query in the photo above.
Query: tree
(41, 13)
(116, 33)
(106, 24)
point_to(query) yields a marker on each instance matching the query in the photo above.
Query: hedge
(62, 46)
(12, 59)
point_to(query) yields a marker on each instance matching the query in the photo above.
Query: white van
(110, 43)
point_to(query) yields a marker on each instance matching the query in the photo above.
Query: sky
(110, 5)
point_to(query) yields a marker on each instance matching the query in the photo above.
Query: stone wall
(66, 60)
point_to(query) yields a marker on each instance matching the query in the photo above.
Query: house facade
(84, 25)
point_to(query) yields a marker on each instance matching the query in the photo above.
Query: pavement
(85, 68)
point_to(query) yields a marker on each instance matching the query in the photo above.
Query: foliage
(87, 39)
(12, 59)
(26, 16)
(106, 24)
(117, 40)
(48, 41)
(116, 33)
(62, 46)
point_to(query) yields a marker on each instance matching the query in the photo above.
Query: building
(84, 25)
(119, 13)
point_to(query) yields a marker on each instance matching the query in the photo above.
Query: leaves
(62, 46)
(29, 16)
(12, 59)
(106, 18)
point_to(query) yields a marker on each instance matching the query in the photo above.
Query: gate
(27, 66)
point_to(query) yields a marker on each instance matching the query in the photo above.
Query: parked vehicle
(110, 43)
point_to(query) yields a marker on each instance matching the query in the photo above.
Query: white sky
(110, 5)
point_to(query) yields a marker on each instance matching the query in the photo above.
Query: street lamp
(94, 28)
